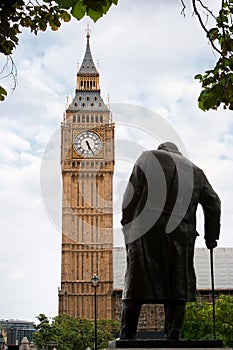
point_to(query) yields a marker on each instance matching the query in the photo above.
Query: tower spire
(87, 94)
(88, 67)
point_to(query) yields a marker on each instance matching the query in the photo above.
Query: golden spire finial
(88, 30)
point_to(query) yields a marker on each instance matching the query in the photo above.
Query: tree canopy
(73, 333)
(198, 322)
(38, 15)
(217, 83)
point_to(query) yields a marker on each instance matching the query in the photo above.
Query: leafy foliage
(72, 333)
(198, 322)
(217, 83)
(16, 14)
(92, 8)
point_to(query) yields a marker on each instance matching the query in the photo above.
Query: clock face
(87, 143)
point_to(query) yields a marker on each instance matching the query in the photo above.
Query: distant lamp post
(95, 283)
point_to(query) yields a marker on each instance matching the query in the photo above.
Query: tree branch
(183, 9)
(207, 9)
(12, 72)
(204, 27)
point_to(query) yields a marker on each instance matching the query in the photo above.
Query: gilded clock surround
(87, 143)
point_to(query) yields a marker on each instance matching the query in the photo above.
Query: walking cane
(212, 284)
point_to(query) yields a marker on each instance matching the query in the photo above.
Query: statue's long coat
(159, 224)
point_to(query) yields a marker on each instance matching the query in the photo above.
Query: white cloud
(12, 146)
(29, 246)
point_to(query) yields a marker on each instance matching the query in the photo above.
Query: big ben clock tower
(87, 163)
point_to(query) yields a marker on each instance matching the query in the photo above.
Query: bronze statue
(159, 225)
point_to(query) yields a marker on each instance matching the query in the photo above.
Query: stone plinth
(161, 344)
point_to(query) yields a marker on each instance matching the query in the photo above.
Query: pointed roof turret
(88, 67)
(87, 94)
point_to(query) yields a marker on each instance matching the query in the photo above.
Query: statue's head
(168, 146)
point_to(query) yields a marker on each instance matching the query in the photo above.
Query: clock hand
(89, 147)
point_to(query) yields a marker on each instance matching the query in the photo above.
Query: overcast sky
(147, 55)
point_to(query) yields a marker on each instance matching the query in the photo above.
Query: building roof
(18, 323)
(87, 101)
(223, 268)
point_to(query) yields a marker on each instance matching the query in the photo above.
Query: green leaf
(78, 10)
(65, 16)
(198, 76)
(43, 25)
(107, 6)
(66, 4)
(201, 105)
(95, 15)
(213, 33)
(3, 93)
